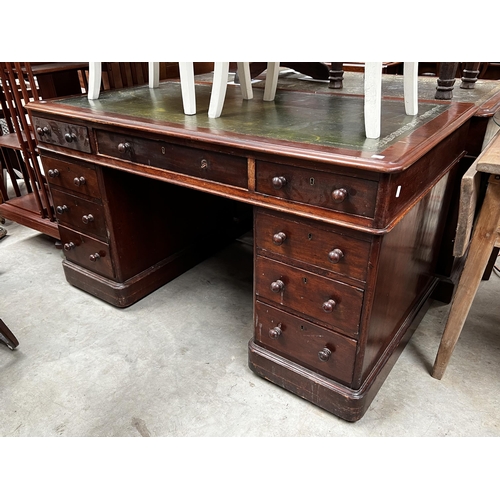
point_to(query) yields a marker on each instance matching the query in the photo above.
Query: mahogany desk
(347, 231)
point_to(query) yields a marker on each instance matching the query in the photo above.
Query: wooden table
(485, 238)
(347, 230)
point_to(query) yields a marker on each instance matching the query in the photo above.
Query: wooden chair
(373, 86)
(186, 76)
(7, 337)
(485, 237)
(31, 206)
(372, 89)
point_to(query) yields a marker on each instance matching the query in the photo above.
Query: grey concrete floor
(175, 363)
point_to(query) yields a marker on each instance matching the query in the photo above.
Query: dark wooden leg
(470, 75)
(336, 77)
(7, 337)
(490, 265)
(446, 80)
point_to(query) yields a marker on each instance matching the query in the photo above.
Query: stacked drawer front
(80, 214)
(309, 285)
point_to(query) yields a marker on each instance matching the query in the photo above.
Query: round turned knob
(87, 218)
(94, 257)
(53, 173)
(124, 147)
(335, 255)
(329, 305)
(277, 286)
(69, 246)
(324, 354)
(275, 332)
(279, 238)
(46, 130)
(339, 195)
(79, 181)
(40, 131)
(279, 182)
(60, 209)
(70, 137)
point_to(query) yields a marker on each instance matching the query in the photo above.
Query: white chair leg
(273, 69)
(186, 71)
(245, 80)
(154, 74)
(219, 87)
(410, 83)
(95, 70)
(373, 99)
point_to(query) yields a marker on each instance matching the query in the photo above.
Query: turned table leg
(336, 75)
(485, 237)
(446, 80)
(469, 76)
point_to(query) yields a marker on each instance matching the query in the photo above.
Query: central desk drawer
(218, 167)
(309, 345)
(328, 302)
(80, 214)
(87, 252)
(323, 189)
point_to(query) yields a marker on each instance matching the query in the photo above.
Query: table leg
(470, 75)
(446, 80)
(336, 77)
(483, 240)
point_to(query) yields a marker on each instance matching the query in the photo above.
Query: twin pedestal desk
(347, 231)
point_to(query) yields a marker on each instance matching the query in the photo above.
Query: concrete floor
(175, 364)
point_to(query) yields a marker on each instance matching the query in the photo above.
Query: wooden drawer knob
(335, 255)
(279, 182)
(324, 354)
(339, 195)
(53, 173)
(60, 209)
(41, 131)
(95, 257)
(279, 238)
(87, 218)
(69, 246)
(79, 181)
(124, 147)
(277, 286)
(70, 137)
(275, 332)
(329, 305)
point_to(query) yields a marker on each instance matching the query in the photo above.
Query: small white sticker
(378, 157)
(398, 191)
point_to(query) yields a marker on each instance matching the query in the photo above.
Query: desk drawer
(87, 252)
(80, 214)
(323, 189)
(72, 176)
(325, 301)
(311, 243)
(309, 345)
(62, 134)
(217, 167)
